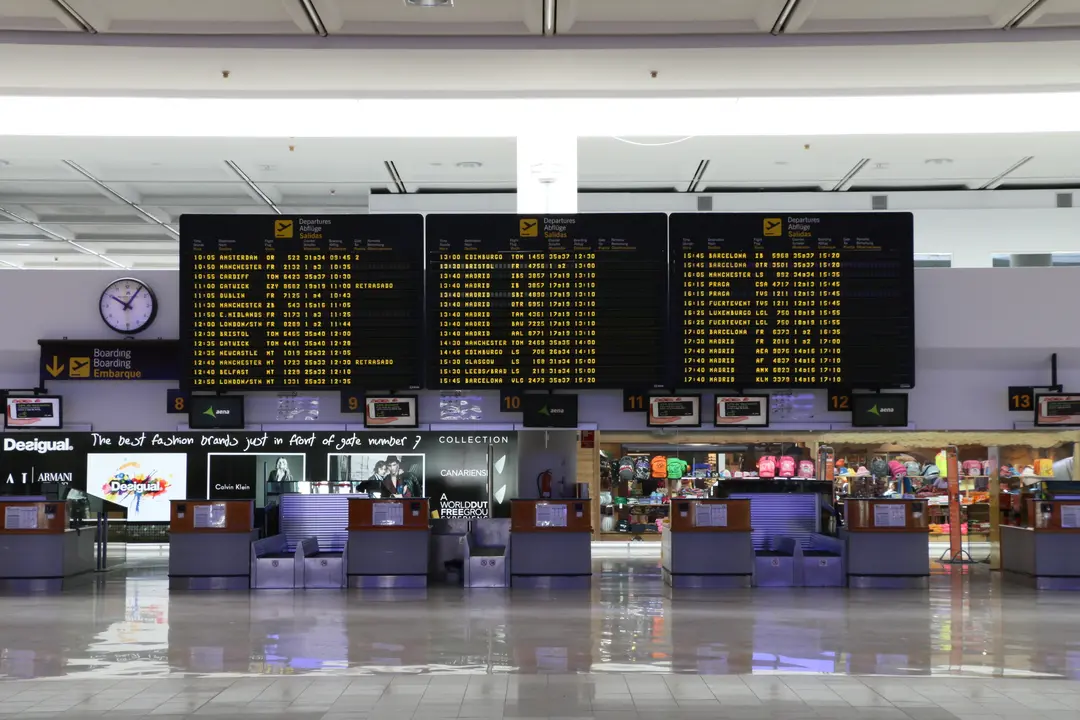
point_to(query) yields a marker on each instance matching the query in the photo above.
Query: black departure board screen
(276, 301)
(806, 300)
(526, 300)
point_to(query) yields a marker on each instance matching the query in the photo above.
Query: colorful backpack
(879, 468)
(806, 468)
(642, 469)
(767, 466)
(626, 468)
(787, 467)
(914, 469)
(972, 467)
(897, 469)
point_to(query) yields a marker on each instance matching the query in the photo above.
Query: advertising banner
(461, 472)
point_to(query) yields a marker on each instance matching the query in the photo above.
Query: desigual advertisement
(141, 472)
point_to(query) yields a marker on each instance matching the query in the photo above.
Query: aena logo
(214, 413)
(875, 411)
(553, 411)
(38, 446)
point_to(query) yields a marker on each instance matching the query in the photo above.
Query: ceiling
(116, 202)
(528, 17)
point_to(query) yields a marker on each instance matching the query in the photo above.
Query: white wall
(977, 332)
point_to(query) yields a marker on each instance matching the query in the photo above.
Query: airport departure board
(318, 302)
(807, 300)
(572, 301)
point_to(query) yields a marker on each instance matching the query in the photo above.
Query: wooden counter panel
(239, 516)
(523, 516)
(45, 525)
(738, 516)
(362, 510)
(1052, 522)
(863, 515)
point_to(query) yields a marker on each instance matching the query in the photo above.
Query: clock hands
(127, 305)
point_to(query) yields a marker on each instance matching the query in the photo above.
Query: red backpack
(766, 466)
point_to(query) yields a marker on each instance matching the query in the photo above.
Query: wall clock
(128, 306)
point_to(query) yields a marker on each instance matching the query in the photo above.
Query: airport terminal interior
(585, 359)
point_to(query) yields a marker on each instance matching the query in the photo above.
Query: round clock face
(128, 306)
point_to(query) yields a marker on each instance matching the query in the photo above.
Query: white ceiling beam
(72, 18)
(845, 182)
(1026, 13)
(330, 14)
(532, 14)
(116, 196)
(996, 181)
(23, 211)
(58, 234)
(785, 16)
(258, 194)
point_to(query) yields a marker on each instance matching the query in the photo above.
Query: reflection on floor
(627, 647)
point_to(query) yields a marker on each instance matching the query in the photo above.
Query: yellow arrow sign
(56, 368)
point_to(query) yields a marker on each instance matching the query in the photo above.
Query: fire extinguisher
(543, 484)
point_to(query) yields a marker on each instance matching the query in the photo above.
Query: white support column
(547, 174)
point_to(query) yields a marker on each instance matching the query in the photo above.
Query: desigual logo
(120, 487)
(38, 446)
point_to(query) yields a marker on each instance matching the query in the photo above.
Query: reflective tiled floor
(627, 649)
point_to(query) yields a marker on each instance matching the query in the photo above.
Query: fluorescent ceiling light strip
(56, 236)
(89, 176)
(11, 265)
(88, 117)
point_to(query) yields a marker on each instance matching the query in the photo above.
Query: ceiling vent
(429, 3)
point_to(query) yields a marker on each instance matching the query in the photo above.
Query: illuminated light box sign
(549, 411)
(747, 410)
(879, 410)
(675, 411)
(391, 412)
(454, 469)
(144, 483)
(33, 413)
(1057, 410)
(216, 412)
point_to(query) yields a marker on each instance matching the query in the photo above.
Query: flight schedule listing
(319, 302)
(810, 300)
(571, 301)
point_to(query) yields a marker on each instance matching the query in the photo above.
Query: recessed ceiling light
(781, 162)
(881, 166)
(429, 3)
(470, 165)
(938, 161)
(23, 244)
(268, 168)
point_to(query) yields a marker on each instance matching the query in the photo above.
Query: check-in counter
(38, 549)
(708, 544)
(1046, 553)
(210, 544)
(887, 543)
(551, 543)
(389, 543)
